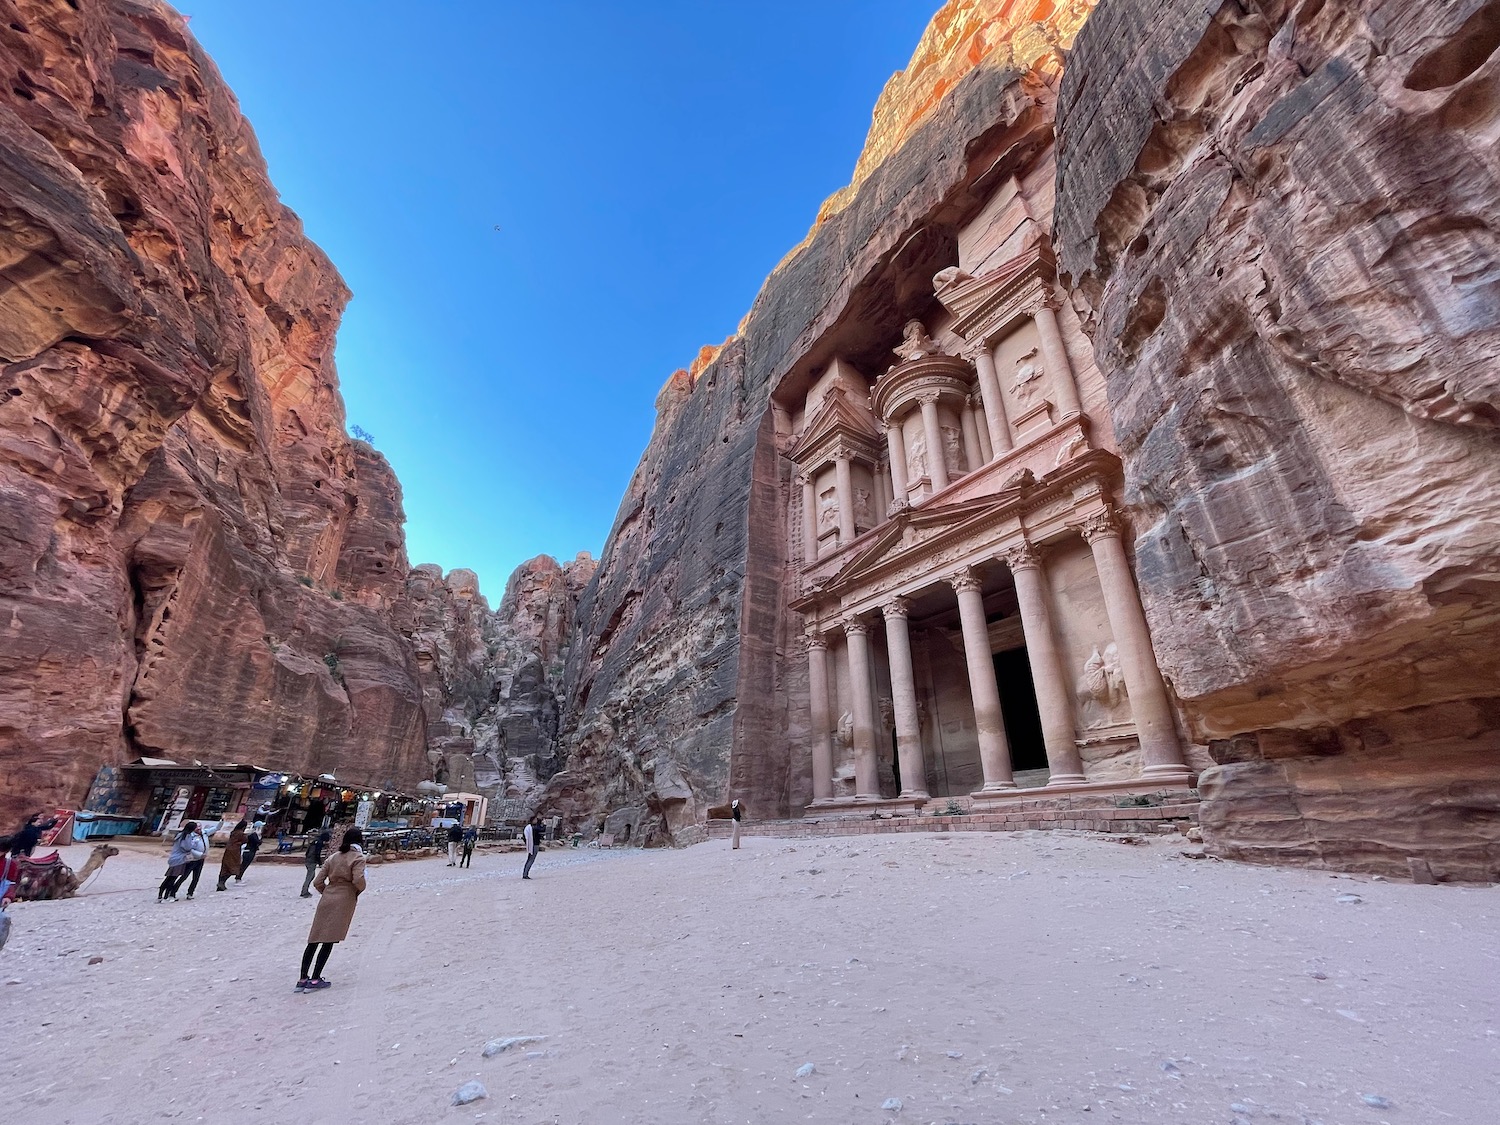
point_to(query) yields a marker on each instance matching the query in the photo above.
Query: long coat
(232, 864)
(339, 881)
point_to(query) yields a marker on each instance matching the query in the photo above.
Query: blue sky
(543, 210)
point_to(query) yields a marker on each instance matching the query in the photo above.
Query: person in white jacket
(531, 834)
(188, 847)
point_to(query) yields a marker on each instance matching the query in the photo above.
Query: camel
(95, 861)
(48, 877)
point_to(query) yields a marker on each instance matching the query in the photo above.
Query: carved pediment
(985, 306)
(837, 422)
(907, 536)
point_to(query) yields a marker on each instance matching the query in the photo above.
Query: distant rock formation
(490, 679)
(1282, 223)
(195, 562)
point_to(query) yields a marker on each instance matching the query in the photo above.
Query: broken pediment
(838, 421)
(987, 305)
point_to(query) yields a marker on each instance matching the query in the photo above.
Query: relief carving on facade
(1028, 376)
(916, 455)
(1101, 688)
(828, 510)
(864, 513)
(953, 450)
(915, 343)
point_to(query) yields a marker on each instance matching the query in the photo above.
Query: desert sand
(973, 978)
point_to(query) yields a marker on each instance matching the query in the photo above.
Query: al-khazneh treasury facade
(972, 623)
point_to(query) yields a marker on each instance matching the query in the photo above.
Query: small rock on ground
(469, 1092)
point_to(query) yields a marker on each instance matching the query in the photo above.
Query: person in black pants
(471, 836)
(252, 845)
(532, 835)
(195, 868)
(313, 858)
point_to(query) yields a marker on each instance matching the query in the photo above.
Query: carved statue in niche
(1102, 687)
(863, 512)
(915, 343)
(845, 733)
(953, 450)
(887, 714)
(1028, 376)
(828, 510)
(950, 276)
(916, 455)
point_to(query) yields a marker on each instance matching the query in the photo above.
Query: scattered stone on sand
(1349, 899)
(806, 1070)
(892, 1104)
(469, 1092)
(1375, 1101)
(500, 1046)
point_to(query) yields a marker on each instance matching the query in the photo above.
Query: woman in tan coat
(340, 881)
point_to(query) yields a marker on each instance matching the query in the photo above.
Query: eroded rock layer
(1282, 221)
(195, 562)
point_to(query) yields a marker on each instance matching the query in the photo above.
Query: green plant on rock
(306, 580)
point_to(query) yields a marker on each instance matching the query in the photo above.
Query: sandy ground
(984, 978)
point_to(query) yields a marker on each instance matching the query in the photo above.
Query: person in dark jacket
(24, 842)
(471, 837)
(313, 858)
(455, 835)
(252, 846)
(735, 812)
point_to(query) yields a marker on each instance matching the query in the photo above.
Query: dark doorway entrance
(1023, 722)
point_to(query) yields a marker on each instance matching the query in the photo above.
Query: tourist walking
(252, 846)
(340, 881)
(471, 837)
(455, 835)
(313, 858)
(230, 864)
(195, 866)
(187, 847)
(531, 834)
(735, 812)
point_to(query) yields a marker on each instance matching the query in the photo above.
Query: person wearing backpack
(313, 858)
(471, 837)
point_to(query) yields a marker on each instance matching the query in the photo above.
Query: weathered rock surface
(195, 562)
(685, 681)
(1281, 219)
(490, 679)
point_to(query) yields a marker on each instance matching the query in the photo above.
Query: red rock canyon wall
(195, 562)
(1282, 221)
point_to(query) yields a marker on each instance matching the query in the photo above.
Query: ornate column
(1055, 358)
(822, 725)
(937, 464)
(981, 428)
(809, 519)
(904, 699)
(972, 457)
(989, 394)
(1149, 705)
(1053, 698)
(866, 775)
(845, 485)
(895, 443)
(994, 750)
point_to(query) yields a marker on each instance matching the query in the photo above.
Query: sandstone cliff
(1282, 221)
(195, 562)
(490, 679)
(682, 655)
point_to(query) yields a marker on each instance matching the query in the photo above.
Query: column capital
(1021, 556)
(815, 639)
(854, 625)
(896, 607)
(976, 400)
(842, 452)
(807, 476)
(964, 580)
(973, 350)
(1100, 525)
(928, 398)
(1048, 300)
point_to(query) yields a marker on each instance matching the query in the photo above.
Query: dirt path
(980, 978)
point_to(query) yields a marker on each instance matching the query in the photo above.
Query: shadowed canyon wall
(195, 562)
(1281, 221)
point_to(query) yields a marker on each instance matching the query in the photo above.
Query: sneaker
(307, 894)
(302, 985)
(317, 983)
(190, 896)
